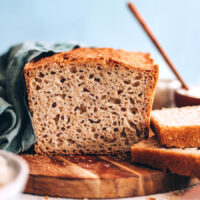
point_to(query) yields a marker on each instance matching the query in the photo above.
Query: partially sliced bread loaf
(93, 101)
(184, 162)
(177, 127)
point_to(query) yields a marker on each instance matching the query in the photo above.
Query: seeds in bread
(177, 127)
(184, 162)
(92, 101)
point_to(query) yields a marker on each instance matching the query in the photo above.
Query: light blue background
(176, 23)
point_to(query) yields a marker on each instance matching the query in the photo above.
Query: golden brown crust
(176, 136)
(102, 55)
(161, 158)
(180, 137)
(149, 107)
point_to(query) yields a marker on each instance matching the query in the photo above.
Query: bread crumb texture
(177, 127)
(90, 101)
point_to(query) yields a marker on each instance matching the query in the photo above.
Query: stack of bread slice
(176, 143)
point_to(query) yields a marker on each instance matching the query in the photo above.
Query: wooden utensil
(156, 43)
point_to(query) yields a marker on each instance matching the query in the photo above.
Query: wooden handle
(156, 43)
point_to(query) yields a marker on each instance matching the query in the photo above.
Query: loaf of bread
(90, 100)
(177, 127)
(184, 162)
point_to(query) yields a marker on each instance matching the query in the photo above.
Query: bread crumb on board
(150, 198)
(47, 198)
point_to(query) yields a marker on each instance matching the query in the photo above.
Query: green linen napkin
(16, 131)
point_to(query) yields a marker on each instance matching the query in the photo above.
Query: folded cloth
(16, 131)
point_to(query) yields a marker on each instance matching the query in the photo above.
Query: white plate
(16, 185)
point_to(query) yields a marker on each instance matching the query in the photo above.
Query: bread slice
(177, 127)
(184, 162)
(90, 100)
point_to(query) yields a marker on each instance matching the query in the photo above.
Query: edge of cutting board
(97, 177)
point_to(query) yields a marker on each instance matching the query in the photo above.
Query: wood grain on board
(97, 177)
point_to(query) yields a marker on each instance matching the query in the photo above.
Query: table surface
(176, 195)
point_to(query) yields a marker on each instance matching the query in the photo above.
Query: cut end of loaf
(88, 104)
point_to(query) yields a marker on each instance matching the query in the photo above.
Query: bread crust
(107, 57)
(136, 60)
(179, 162)
(176, 136)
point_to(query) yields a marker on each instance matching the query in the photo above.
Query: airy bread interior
(178, 117)
(88, 106)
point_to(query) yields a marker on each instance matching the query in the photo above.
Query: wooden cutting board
(97, 177)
